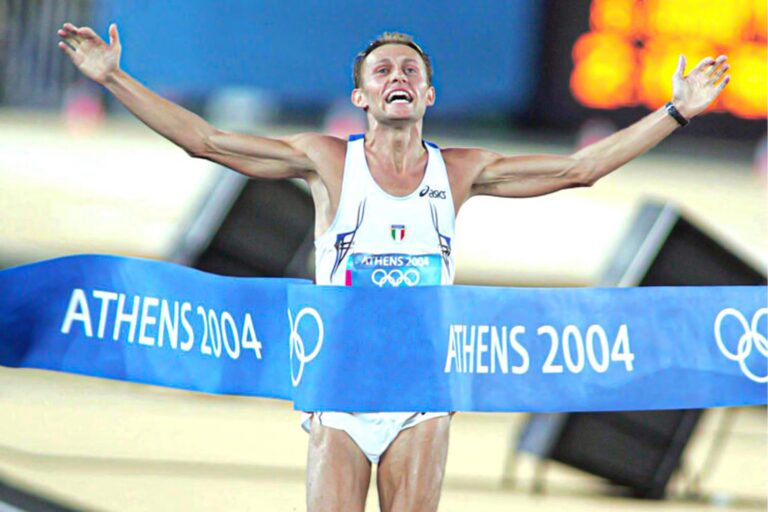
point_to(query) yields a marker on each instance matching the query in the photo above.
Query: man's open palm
(694, 92)
(92, 56)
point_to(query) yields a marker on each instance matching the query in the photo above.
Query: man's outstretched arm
(255, 156)
(526, 176)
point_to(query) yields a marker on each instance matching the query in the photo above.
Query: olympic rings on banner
(297, 342)
(744, 346)
(395, 277)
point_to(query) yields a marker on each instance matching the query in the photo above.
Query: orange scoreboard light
(630, 52)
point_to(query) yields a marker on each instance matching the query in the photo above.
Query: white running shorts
(373, 432)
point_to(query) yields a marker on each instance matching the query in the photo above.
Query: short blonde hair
(389, 38)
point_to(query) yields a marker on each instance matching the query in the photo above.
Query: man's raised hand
(92, 56)
(693, 93)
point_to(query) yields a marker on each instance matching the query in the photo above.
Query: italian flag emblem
(398, 232)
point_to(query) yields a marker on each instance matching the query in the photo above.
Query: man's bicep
(260, 157)
(259, 167)
(520, 188)
(527, 175)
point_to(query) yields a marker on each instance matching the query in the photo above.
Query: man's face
(394, 85)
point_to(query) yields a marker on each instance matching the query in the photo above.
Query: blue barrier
(368, 349)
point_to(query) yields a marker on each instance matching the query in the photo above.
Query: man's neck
(400, 147)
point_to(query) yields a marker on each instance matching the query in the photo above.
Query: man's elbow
(201, 145)
(194, 152)
(583, 173)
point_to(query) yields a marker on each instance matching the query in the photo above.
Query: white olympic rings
(297, 342)
(395, 277)
(750, 337)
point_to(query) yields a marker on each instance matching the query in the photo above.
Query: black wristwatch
(676, 115)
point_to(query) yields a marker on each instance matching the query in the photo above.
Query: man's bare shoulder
(326, 152)
(463, 166)
(467, 160)
(316, 142)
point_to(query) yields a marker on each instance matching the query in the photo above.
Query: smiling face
(394, 85)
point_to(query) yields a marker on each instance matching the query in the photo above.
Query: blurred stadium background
(79, 175)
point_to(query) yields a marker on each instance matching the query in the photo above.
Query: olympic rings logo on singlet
(395, 277)
(393, 270)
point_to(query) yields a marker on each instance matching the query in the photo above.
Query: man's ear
(430, 96)
(358, 99)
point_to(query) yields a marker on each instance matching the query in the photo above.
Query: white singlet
(381, 240)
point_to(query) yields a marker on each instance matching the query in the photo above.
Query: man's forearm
(619, 148)
(180, 126)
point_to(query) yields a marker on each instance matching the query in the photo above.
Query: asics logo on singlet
(395, 277)
(298, 349)
(750, 337)
(432, 193)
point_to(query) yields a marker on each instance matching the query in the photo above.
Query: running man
(385, 204)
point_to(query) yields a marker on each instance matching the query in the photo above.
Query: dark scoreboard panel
(615, 58)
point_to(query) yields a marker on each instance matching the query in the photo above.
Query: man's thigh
(410, 473)
(338, 474)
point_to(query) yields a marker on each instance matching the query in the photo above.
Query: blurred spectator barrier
(32, 70)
